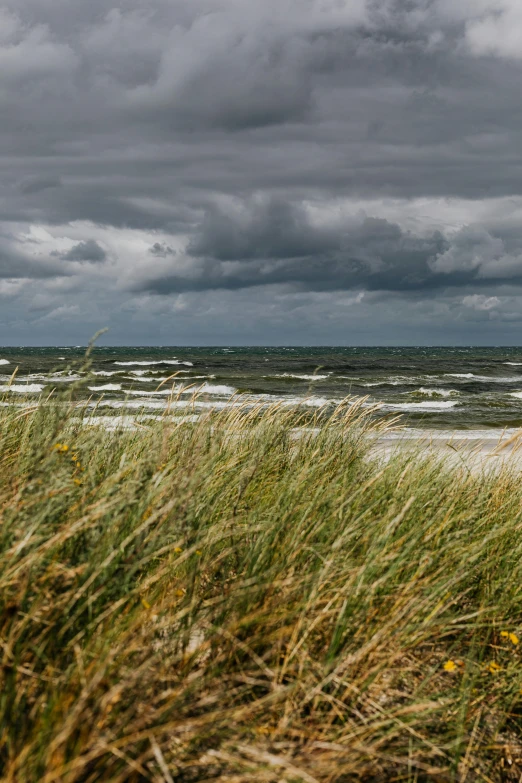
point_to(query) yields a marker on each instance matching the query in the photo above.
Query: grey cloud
(482, 251)
(38, 184)
(267, 229)
(88, 250)
(275, 243)
(161, 250)
(16, 263)
(146, 116)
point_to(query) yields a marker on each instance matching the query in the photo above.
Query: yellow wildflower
(513, 638)
(450, 666)
(178, 550)
(493, 667)
(198, 552)
(145, 603)
(77, 482)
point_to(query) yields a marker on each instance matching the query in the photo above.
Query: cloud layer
(245, 171)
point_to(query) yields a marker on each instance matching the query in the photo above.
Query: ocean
(473, 390)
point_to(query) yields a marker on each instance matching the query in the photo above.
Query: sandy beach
(476, 451)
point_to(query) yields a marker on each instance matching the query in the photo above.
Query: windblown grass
(228, 600)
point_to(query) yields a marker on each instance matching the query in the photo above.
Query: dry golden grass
(227, 601)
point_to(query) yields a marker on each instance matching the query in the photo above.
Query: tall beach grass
(253, 597)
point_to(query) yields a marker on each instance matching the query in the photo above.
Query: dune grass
(228, 600)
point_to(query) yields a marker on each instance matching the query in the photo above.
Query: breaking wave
(30, 388)
(150, 364)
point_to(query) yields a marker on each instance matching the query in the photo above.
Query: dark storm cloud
(215, 125)
(89, 251)
(368, 98)
(275, 243)
(18, 262)
(161, 250)
(270, 229)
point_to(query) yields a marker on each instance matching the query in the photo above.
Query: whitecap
(434, 392)
(311, 402)
(399, 380)
(57, 378)
(106, 387)
(164, 404)
(413, 406)
(208, 388)
(4, 361)
(514, 364)
(485, 378)
(113, 423)
(147, 393)
(141, 373)
(149, 364)
(300, 377)
(105, 372)
(30, 388)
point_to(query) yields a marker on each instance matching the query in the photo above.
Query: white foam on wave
(147, 393)
(150, 364)
(517, 394)
(30, 388)
(114, 423)
(434, 392)
(165, 404)
(4, 361)
(196, 402)
(514, 364)
(209, 388)
(106, 387)
(399, 380)
(141, 373)
(57, 378)
(299, 377)
(311, 402)
(483, 378)
(106, 372)
(413, 406)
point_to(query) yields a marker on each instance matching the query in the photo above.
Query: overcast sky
(261, 171)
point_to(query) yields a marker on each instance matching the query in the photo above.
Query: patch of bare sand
(474, 452)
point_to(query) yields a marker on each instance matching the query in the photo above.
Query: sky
(261, 172)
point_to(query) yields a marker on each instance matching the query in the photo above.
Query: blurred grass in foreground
(225, 601)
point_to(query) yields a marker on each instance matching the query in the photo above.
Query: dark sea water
(472, 389)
